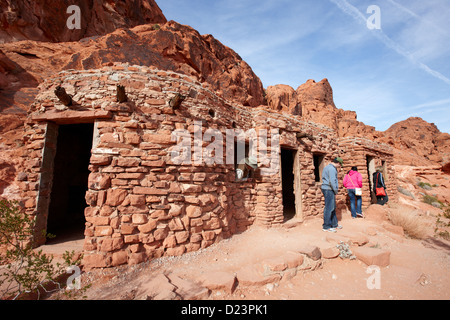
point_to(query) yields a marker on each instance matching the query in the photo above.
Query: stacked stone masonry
(141, 204)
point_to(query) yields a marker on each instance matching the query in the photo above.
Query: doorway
(370, 161)
(70, 182)
(290, 179)
(319, 164)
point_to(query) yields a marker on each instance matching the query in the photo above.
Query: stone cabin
(106, 168)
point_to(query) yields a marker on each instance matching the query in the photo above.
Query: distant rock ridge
(415, 141)
(314, 102)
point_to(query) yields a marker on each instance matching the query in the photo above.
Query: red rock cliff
(418, 142)
(415, 141)
(45, 20)
(314, 102)
(168, 46)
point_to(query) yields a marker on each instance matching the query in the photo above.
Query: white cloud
(430, 105)
(254, 27)
(422, 19)
(423, 31)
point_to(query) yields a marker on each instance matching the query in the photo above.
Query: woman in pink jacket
(353, 181)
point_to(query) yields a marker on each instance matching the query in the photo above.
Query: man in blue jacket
(330, 188)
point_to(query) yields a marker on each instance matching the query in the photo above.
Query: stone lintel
(71, 116)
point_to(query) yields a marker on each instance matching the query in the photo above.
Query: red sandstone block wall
(141, 204)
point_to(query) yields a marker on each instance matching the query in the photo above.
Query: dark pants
(354, 209)
(382, 200)
(329, 212)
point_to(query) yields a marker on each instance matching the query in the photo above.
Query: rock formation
(418, 142)
(34, 47)
(170, 46)
(314, 102)
(152, 42)
(283, 98)
(415, 141)
(446, 168)
(45, 20)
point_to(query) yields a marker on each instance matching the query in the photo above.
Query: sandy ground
(419, 269)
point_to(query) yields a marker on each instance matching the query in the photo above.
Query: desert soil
(418, 269)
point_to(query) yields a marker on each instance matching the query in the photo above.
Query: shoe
(360, 215)
(339, 227)
(330, 230)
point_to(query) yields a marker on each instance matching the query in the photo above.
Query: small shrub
(431, 200)
(405, 192)
(447, 213)
(444, 234)
(442, 225)
(412, 224)
(424, 185)
(24, 269)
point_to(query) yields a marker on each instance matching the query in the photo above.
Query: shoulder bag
(358, 191)
(380, 192)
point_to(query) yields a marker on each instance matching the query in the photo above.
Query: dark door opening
(287, 176)
(318, 166)
(370, 171)
(70, 182)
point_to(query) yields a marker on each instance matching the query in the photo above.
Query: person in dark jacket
(378, 182)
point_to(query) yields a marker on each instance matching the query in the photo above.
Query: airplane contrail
(415, 15)
(351, 10)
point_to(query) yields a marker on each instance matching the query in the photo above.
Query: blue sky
(386, 75)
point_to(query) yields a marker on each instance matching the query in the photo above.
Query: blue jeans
(353, 196)
(329, 212)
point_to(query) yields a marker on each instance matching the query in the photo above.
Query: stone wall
(141, 203)
(308, 139)
(357, 152)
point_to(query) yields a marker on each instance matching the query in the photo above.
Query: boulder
(446, 168)
(372, 256)
(377, 213)
(293, 259)
(310, 251)
(356, 238)
(330, 252)
(275, 264)
(281, 98)
(219, 280)
(171, 46)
